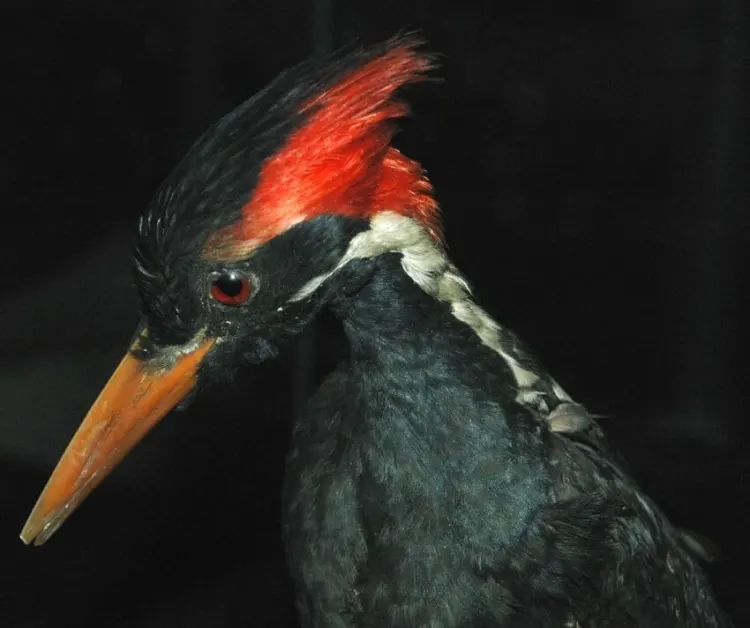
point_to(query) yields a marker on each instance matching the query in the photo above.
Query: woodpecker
(440, 477)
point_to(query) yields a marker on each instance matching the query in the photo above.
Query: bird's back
(621, 561)
(596, 553)
(422, 490)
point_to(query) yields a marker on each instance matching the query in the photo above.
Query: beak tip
(30, 532)
(34, 536)
(27, 536)
(39, 528)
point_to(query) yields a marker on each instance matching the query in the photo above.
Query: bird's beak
(137, 396)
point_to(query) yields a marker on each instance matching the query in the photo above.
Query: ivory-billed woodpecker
(440, 477)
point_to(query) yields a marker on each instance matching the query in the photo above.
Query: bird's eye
(230, 287)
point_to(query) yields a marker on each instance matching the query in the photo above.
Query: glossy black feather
(419, 493)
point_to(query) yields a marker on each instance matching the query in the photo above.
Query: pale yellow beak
(136, 397)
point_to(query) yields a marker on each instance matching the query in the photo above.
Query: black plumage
(440, 477)
(419, 493)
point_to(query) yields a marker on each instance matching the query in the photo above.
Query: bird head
(256, 229)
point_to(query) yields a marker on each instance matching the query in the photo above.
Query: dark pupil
(230, 284)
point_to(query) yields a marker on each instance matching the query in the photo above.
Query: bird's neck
(393, 323)
(424, 424)
(429, 406)
(416, 313)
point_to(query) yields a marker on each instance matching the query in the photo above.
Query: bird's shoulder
(601, 545)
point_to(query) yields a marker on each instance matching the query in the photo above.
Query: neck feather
(390, 304)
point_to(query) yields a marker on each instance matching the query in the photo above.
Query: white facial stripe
(427, 264)
(167, 357)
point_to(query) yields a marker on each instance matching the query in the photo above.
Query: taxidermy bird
(440, 477)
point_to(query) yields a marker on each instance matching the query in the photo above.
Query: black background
(591, 160)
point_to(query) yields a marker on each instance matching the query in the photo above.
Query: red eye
(230, 287)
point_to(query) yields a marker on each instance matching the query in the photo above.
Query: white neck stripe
(427, 264)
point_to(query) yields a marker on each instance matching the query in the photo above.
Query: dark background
(591, 159)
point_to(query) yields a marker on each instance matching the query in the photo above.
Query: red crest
(340, 161)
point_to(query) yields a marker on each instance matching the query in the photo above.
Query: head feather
(339, 159)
